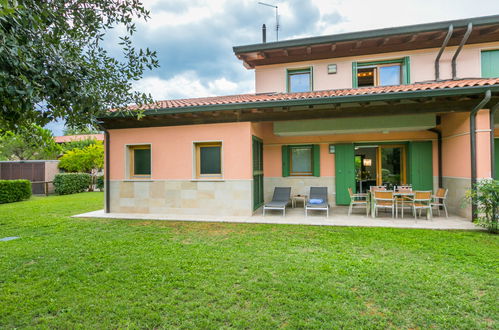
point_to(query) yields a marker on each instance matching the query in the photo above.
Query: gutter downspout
(473, 114)
(107, 188)
(458, 50)
(440, 52)
(492, 140)
(107, 166)
(439, 151)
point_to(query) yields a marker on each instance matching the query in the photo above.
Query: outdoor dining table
(370, 200)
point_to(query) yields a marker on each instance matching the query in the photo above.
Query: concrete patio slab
(338, 217)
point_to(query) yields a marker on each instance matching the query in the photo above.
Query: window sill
(138, 180)
(207, 180)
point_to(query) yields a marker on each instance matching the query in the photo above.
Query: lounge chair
(279, 201)
(316, 194)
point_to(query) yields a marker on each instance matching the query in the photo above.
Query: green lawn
(66, 273)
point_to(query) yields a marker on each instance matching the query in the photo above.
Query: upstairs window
(299, 80)
(490, 63)
(381, 73)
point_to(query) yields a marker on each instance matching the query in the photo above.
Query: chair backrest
(404, 188)
(318, 193)
(442, 192)
(383, 194)
(350, 192)
(281, 194)
(377, 188)
(422, 195)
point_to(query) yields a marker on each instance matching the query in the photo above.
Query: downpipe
(492, 140)
(473, 114)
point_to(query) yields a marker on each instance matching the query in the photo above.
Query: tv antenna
(276, 18)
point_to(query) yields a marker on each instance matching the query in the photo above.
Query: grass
(67, 273)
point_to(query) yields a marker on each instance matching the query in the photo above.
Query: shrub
(486, 198)
(100, 182)
(14, 190)
(71, 183)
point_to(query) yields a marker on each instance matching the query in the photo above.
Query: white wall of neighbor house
(272, 78)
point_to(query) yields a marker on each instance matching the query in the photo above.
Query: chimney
(264, 33)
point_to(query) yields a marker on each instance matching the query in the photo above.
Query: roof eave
(378, 33)
(322, 100)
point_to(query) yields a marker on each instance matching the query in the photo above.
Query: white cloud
(188, 85)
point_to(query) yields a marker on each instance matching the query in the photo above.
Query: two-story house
(410, 104)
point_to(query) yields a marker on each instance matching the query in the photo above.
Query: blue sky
(194, 38)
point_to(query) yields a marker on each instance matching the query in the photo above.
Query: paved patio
(338, 217)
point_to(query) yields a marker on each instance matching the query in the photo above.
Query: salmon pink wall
(272, 146)
(272, 78)
(456, 145)
(172, 149)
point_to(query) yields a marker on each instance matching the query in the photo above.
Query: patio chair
(403, 202)
(384, 200)
(279, 201)
(439, 200)
(422, 201)
(357, 200)
(318, 200)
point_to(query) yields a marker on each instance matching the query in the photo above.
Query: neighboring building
(80, 137)
(388, 106)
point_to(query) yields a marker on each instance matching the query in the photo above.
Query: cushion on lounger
(316, 201)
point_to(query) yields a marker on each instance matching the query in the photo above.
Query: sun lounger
(279, 201)
(318, 200)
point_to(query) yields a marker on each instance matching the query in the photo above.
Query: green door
(421, 165)
(257, 172)
(345, 172)
(490, 63)
(496, 159)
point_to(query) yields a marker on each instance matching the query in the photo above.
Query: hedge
(14, 190)
(71, 183)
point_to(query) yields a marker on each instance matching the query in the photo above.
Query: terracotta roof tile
(268, 97)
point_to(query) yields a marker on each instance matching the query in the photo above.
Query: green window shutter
(345, 172)
(142, 161)
(285, 161)
(316, 150)
(407, 70)
(490, 64)
(421, 165)
(354, 75)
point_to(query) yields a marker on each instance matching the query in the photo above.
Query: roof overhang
(399, 103)
(412, 37)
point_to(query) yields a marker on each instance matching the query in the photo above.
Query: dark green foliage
(27, 143)
(14, 190)
(486, 198)
(71, 183)
(100, 182)
(53, 64)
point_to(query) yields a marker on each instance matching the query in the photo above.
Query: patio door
(421, 165)
(257, 172)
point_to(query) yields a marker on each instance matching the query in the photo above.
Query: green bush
(71, 183)
(14, 190)
(100, 182)
(486, 198)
